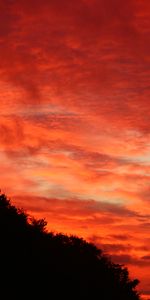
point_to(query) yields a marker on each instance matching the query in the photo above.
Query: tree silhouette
(35, 263)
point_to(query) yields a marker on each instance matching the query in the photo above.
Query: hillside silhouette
(37, 264)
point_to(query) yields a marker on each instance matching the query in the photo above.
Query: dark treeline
(37, 264)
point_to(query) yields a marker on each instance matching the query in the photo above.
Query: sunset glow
(75, 120)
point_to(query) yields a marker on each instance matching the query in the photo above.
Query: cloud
(51, 44)
(114, 248)
(146, 257)
(76, 207)
(121, 237)
(128, 260)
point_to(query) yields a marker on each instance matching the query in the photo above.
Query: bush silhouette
(37, 264)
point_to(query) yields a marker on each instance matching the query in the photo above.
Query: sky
(75, 120)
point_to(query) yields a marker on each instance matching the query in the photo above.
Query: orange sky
(75, 120)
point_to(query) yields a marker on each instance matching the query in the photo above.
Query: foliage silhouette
(35, 263)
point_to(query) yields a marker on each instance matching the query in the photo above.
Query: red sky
(75, 120)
